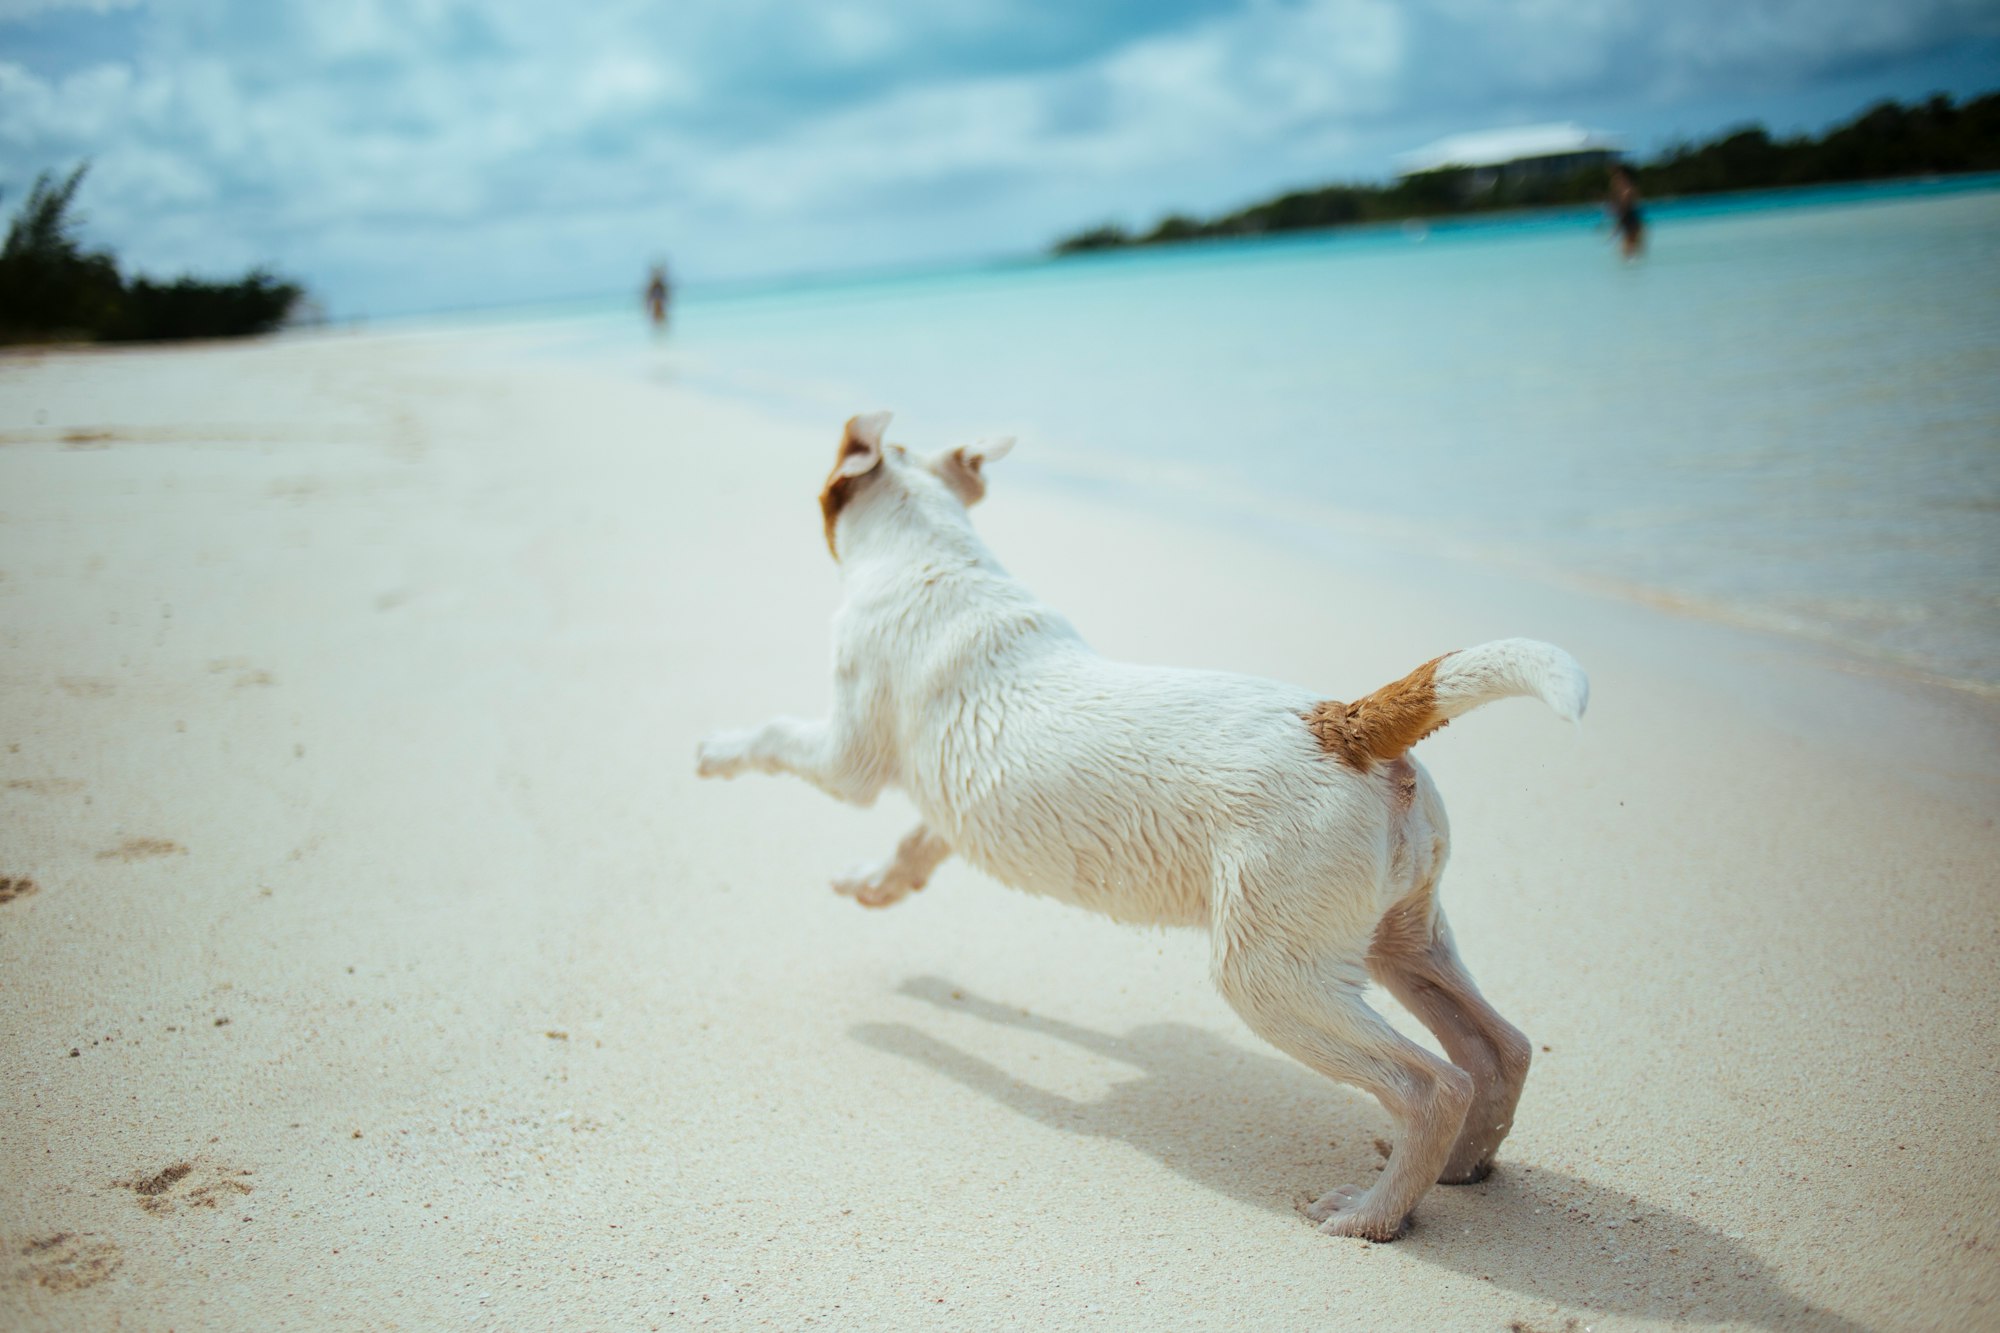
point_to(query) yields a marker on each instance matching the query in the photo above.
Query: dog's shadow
(1272, 1133)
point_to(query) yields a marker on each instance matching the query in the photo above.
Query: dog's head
(867, 467)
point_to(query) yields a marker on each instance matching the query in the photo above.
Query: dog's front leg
(889, 882)
(836, 759)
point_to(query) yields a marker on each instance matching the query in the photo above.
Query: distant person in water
(658, 293)
(1623, 206)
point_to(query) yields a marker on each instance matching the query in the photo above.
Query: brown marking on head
(860, 454)
(962, 470)
(961, 476)
(1381, 726)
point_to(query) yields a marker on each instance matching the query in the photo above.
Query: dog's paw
(722, 755)
(1454, 1174)
(1348, 1211)
(876, 886)
(1333, 1201)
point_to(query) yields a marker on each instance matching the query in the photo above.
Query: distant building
(1491, 158)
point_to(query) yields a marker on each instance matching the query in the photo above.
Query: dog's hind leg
(888, 882)
(1316, 1014)
(1413, 957)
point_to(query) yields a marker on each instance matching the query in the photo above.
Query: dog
(1297, 830)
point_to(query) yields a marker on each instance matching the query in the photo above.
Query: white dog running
(1295, 829)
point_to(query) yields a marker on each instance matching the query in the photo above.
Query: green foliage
(186, 308)
(1931, 138)
(1174, 227)
(48, 284)
(52, 290)
(1107, 237)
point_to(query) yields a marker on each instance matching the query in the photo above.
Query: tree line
(1934, 137)
(54, 290)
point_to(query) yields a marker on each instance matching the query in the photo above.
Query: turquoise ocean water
(1787, 415)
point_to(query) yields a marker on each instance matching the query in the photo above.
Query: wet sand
(370, 956)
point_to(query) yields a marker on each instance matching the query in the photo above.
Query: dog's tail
(1382, 726)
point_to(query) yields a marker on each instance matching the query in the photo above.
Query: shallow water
(1788, 414)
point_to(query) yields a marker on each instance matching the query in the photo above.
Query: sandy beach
(370, 956)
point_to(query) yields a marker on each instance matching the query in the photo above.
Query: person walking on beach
(1623, 206)
(658, 293)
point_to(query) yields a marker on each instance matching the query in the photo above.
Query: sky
(415, 155)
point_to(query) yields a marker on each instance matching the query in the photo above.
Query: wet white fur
(1151, 794)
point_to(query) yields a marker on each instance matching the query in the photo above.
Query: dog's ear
(860, 454)
(962, 468)
(861, 445)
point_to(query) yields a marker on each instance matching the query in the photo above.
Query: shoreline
(346, 734)
(1944, 733)
(1171, 491)
(1177, 489)
(1180, 490)
(1183, 492)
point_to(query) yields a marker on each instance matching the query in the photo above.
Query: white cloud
(1167, 100)
(14, 10)
(624, 82)
(853, 32)
(86, 107)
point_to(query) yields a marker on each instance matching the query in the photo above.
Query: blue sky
(404, 155)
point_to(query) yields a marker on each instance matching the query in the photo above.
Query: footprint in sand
(65, 1261)
(69, 439)
(140, 849)
(186, 1185)
(246, 675)
(16, 886)
(44, 786)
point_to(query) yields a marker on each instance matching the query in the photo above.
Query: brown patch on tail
(1381, 726)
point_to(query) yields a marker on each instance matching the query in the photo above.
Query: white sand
(347, 710)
